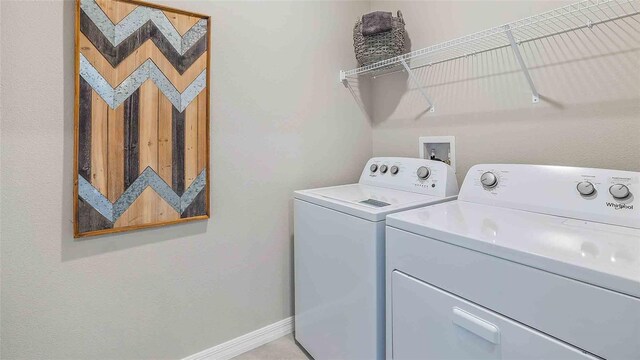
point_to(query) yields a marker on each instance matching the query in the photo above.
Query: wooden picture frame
(141, 116)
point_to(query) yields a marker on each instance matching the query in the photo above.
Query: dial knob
(586, 188)
(383, 169)
(373, 168)
(394, 170)
(619, 191)
(489, 179)
(423, 172)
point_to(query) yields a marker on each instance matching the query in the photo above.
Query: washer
(530, 262)
(339, 253)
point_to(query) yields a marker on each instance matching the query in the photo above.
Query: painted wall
(589, 80)
(280, 121)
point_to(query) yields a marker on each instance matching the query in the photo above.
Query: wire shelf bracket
(415, 81)
(535, 97)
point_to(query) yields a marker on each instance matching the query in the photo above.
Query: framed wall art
(141, 150)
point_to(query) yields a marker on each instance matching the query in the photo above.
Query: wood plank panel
(115, 162)
(198, 206)
(181, 22)
(97, 60)
(131, 159)
(84, 130)
(191, 143)
(116, 54)
(177, 135)
(164, 210)
(89, 219)
(148, 126)
(116, 10)
(149, 144)
(202, 131)
(125, 68)
(148, 50)
(165, 153)
(144, 208)
(131, 113)
(134, 215)
(99, 141)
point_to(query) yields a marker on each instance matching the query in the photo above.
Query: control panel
(408, 174)
(606, 196)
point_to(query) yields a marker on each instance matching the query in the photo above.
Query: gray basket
(374, 48)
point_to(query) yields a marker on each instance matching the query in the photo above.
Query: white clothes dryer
(530, 262)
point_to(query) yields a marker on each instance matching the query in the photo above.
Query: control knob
(423, 172)
(383, 169)
(619, 191)
(373, 168)
(586, 188)
(489, 179)
(394, 170)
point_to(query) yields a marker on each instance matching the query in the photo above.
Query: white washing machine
(339, 253)
(530, 262)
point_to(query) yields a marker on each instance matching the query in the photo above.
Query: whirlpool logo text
(620, 206)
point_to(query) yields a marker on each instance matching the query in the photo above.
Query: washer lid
(600, 254)
(368, 202)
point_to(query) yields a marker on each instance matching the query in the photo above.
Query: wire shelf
(584, 14)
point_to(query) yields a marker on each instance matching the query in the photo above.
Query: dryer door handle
(476, 325)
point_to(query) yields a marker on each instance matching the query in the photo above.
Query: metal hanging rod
(584, 14)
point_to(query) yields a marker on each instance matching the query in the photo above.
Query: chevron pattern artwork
(142, 116)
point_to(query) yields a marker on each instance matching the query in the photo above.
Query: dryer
(339, 253)
(530, 262)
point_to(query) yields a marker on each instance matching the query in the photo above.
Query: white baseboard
(246, 342)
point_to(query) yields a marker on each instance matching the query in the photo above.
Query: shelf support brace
(343, 78)
(413, 77)
(535, 97)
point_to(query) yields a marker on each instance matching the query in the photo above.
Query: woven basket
(374, 48)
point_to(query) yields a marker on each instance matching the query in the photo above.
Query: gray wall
(590, 82)
(280, 121)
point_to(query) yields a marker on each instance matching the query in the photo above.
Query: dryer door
(429, 323)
